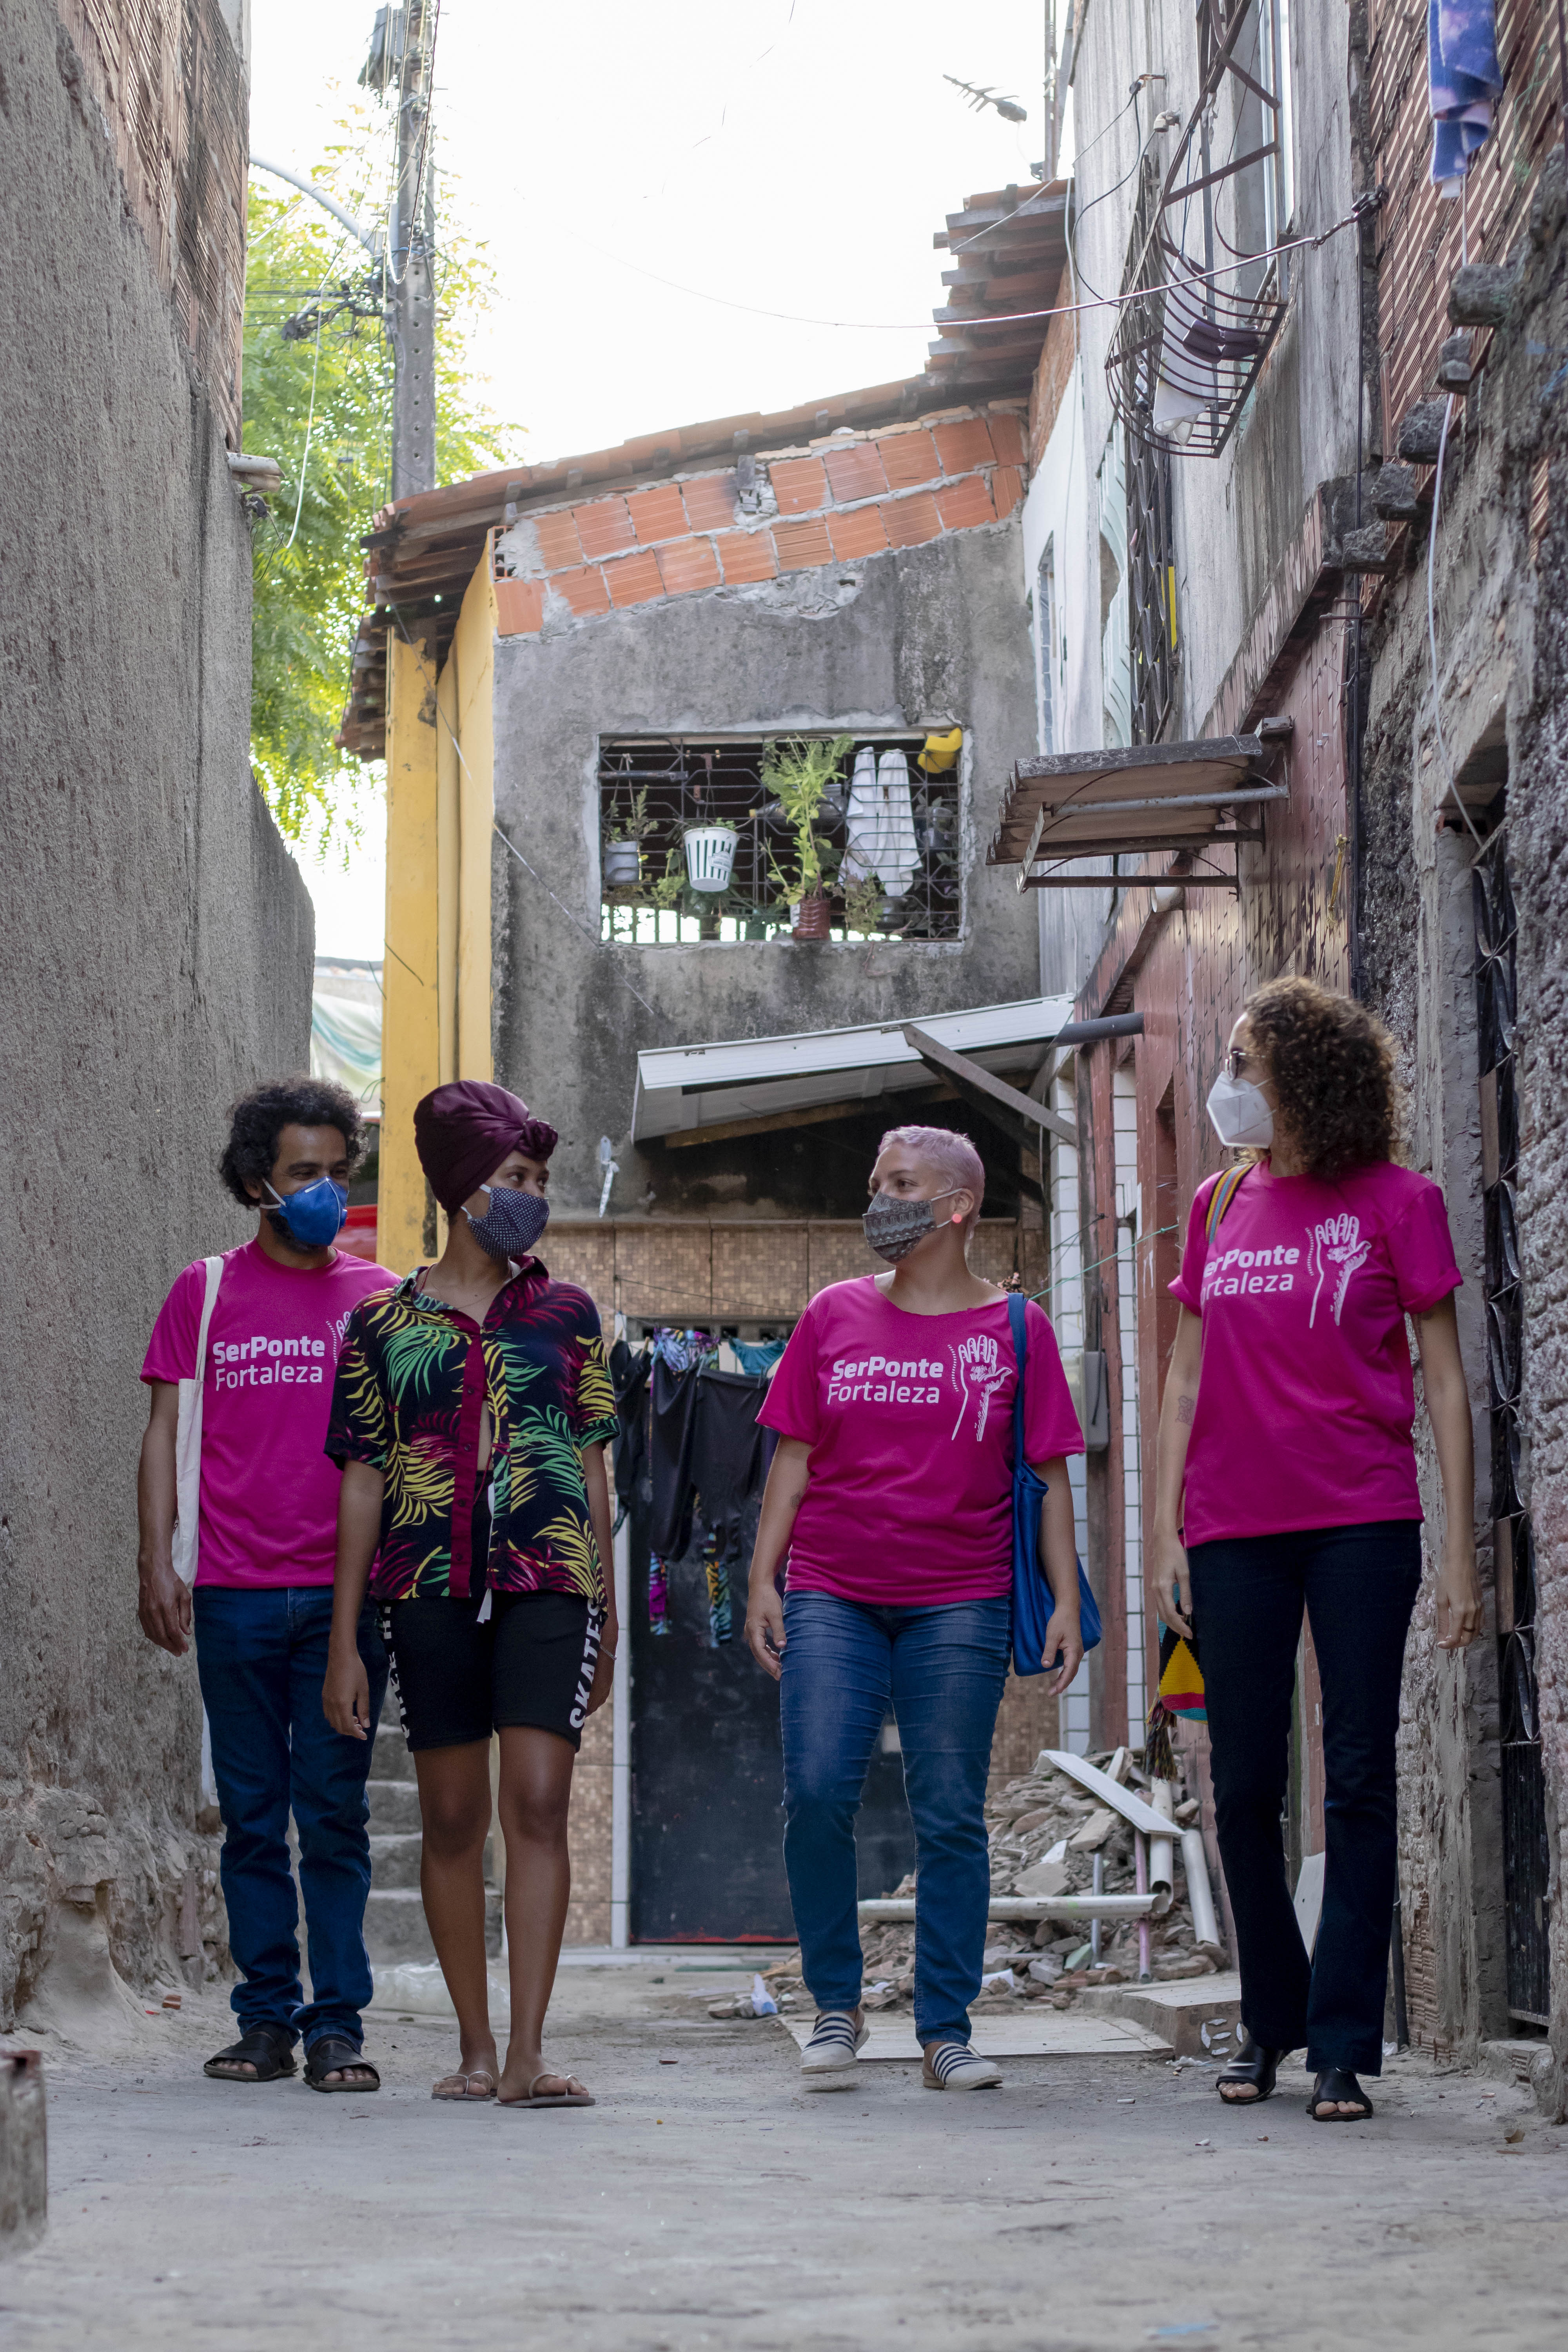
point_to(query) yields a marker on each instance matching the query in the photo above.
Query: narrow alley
(783, 1121)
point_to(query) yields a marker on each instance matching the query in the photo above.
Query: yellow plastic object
(941, 753)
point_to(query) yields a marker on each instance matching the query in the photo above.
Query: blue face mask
(314, 1215)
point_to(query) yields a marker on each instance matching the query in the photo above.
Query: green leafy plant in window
(863, 905)
(798, 773)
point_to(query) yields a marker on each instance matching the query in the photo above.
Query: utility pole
(402, 56)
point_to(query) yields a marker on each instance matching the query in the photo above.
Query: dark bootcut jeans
(262, 1658)
(1359, 1585)
(942, 1670)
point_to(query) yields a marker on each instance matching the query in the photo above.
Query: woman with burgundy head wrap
(470, 1416)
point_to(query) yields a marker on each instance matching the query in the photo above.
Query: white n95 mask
(1241, 1114)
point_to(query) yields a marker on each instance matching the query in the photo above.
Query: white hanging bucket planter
(622, 864)
(710, 855)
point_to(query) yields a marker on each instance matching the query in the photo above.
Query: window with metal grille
(892, 869)
(1151, 554)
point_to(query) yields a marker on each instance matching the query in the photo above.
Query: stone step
(1200, 2017)
(394, 1927)
(391, 1759)
(393, 1806)
(395, 1860)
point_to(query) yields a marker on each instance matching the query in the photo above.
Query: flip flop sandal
(465, 2097)
(1335, 2082)
(1252, 2064)
(568, 2098)
(268, 2048)
(955, 2066)
(329, 2055)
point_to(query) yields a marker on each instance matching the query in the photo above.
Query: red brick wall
(846, 497)
(1049, 387)
(1419, 234)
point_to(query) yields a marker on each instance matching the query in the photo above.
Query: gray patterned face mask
(512, 1223)
(892, 1226)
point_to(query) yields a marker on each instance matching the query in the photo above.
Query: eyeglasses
(1235, 1061)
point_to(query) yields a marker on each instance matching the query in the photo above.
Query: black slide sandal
(329, 2055)
(1335, 2083)
(1251, 2065)
(268, 2048)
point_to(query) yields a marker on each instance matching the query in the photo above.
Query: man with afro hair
(238, 1507)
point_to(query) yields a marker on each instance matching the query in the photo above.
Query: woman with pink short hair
(891, 1492)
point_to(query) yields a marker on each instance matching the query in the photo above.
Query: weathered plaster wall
(893, 641)
(1503, 667)
(155, 945)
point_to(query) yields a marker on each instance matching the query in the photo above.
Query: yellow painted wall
(410, 1047)
(474, 652)
(436, 975)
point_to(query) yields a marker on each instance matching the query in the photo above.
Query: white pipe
(1125, 1801)
(621, 1751)
(1039, 1906)
(1194, 1862)
(1162, 1850)
(367, 237)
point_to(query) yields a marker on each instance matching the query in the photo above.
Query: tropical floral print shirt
(414, 1378)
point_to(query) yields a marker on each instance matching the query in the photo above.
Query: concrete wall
(892, 641)
(156, 946)
(1502, 677)
(1299, 428)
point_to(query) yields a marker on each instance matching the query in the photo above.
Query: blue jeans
(262, 1658)
(942, 1670)
(1359, 1585)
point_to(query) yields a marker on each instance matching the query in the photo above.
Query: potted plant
(623, 845)
(799, 774)
(710, 855)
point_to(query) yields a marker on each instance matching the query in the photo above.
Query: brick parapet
(842, 500)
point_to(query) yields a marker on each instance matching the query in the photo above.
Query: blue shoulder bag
(1032, 1601)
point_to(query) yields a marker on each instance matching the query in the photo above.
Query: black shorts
(532, 1662)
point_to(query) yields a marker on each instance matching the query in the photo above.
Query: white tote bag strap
(188, 1438)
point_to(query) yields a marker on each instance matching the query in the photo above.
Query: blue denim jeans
(262, 1658)
(942, 1670)
(1359, 1585)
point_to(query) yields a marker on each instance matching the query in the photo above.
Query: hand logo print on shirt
(1336, 1242)
(976, 1372)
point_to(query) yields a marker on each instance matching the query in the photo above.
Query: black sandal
(1338, 2084)
(1251, 2065)
(329, 2055)
(268, 2048)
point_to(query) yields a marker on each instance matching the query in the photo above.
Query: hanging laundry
(898, 852)
(672, 1434)
(862, 821)
(726, 1448)
(1464, 82)
(629, 1375)
(758, 1356)
(716, 1561)
(658, 1595)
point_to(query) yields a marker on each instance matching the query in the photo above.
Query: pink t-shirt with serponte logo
(1305, 1396)
(910, 1422)
(270, 1496)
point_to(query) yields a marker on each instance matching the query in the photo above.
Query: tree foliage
(322, 405)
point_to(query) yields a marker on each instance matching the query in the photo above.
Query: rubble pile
(1044, 1832)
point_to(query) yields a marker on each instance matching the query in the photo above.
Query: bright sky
(790, 155)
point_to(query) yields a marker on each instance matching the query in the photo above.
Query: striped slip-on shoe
(827, 2061)
(955, 2066)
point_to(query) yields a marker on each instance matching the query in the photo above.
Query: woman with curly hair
(1287, 1479)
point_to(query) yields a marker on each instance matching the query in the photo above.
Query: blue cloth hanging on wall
(1464, 82)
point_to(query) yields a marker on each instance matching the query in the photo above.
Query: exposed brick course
(911, 521)
(962, 445)
(688, 565)
(520, 607)
(710, 501)
(802, 544)
(963, 504)
(746, 555)
(800, 485)
(907, 459)
(659, 513)
(605, 528)
(857, 471)
(584, 591)
(635, 580)
(861, 532)
(558, 541)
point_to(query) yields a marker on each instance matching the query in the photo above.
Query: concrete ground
(705, 2200)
